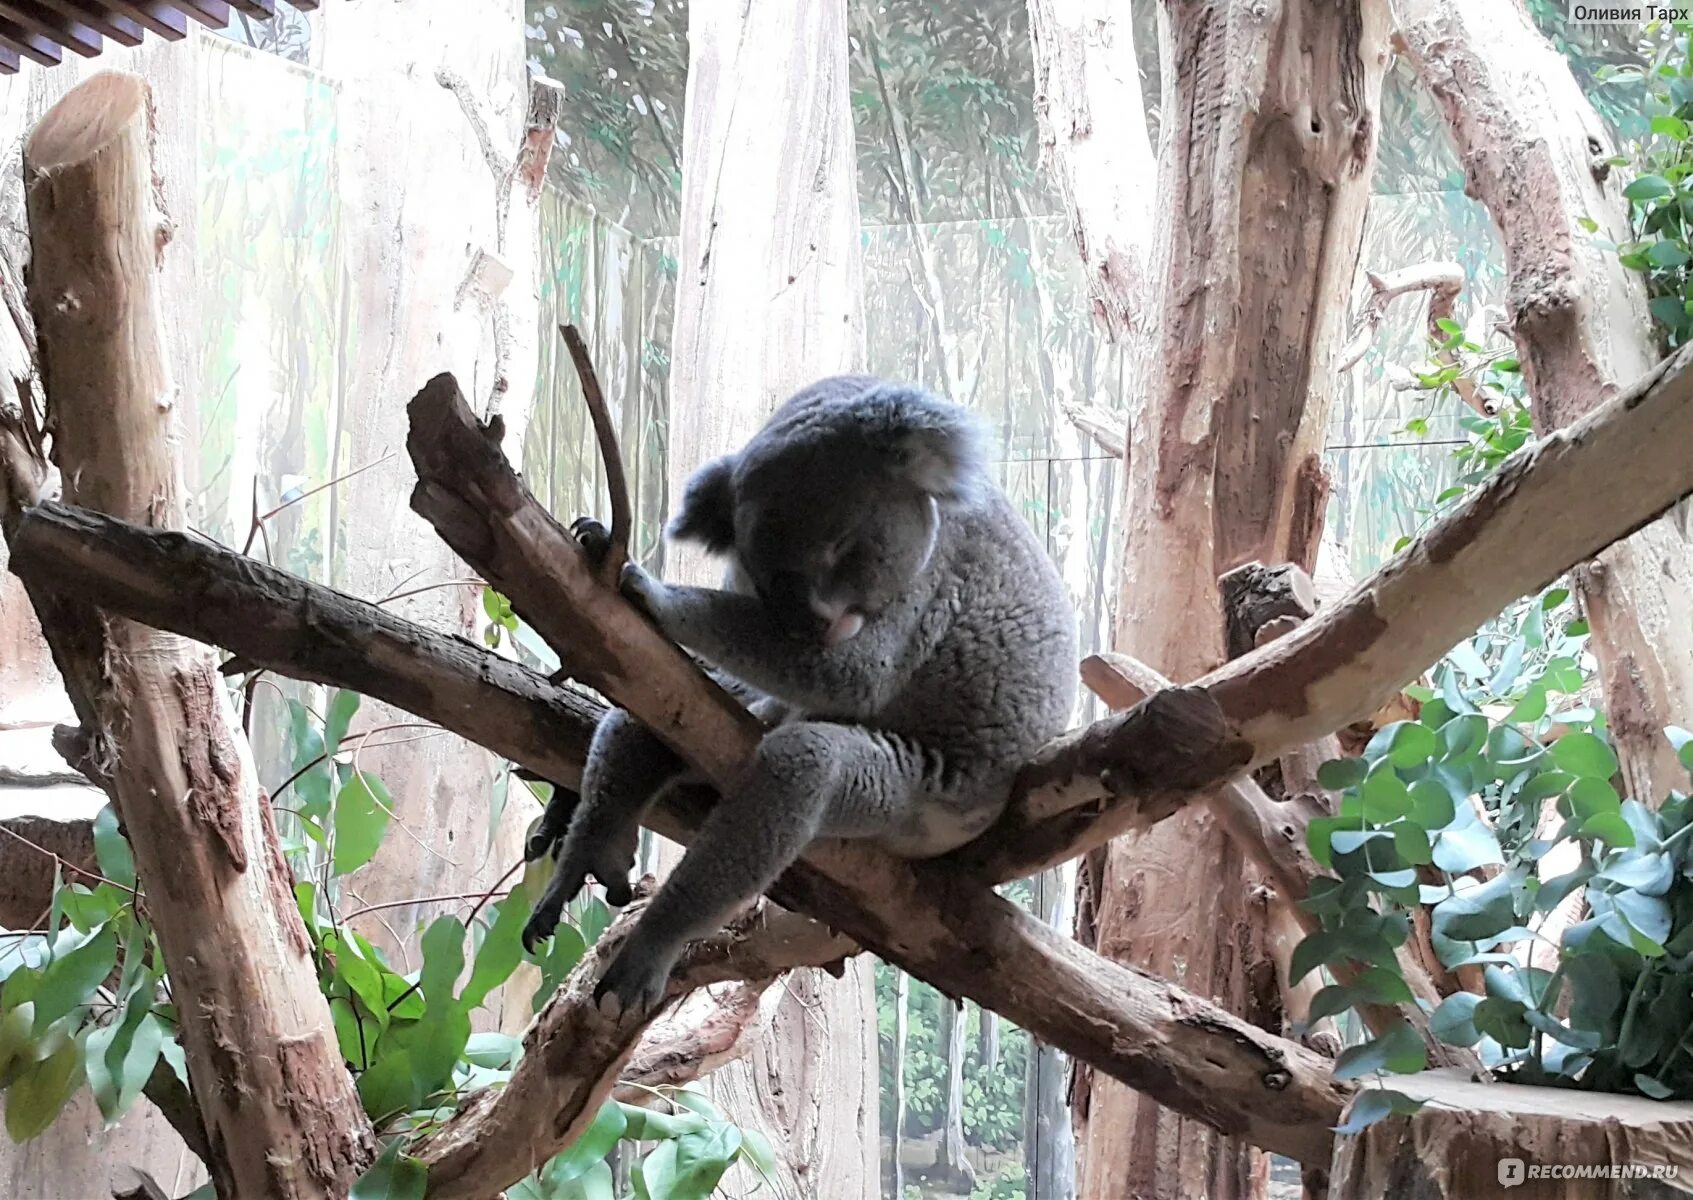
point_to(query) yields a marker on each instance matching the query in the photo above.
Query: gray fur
(858, 497)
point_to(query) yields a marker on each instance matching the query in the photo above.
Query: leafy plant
(87, 1001)
(1456, 812)
(1660, 197)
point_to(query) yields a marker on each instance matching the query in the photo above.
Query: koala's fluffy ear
(707, 512)
(941, 449)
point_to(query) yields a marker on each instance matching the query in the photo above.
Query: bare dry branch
(1441, 280)
(611, 456)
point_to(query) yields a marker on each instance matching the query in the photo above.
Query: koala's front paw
(635, 982)
(646, 592)
(545, 917)
(594, 538)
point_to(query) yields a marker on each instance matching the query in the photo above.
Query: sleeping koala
(886, 607)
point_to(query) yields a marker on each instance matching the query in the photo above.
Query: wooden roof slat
(113, 25)
(31, 45)
(211, 13)
(39, 19)
(41, 30)
(159, 16)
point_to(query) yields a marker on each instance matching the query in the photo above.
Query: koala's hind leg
(627, 766)
(809, 780)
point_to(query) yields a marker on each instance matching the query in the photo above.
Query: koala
(892, 616)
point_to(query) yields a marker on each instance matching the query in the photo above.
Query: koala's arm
(736, 633)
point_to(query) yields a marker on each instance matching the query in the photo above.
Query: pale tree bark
(76, 1155)
(951, 1168)
(1533, 151)
(987, 1039)
(428, 113)
(1268, 125)
(902, 1035)
(157, 726)
(1049, 1145)
(768, 300)
(1095, 146)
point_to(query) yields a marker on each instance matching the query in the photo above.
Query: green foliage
(1430, 804)
(64, 1018)
(87, 1002)
(1660, 196)
(1009, 1183)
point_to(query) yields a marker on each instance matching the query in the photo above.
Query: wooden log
(1529, 1143)
(279, 1108)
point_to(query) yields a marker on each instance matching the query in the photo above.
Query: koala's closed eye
(889, 606)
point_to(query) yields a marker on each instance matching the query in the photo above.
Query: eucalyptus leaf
(362, 811)
(393, 1176)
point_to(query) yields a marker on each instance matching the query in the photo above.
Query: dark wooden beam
(214, 14)
(31, 45)
(66, 31)
(158, 16)
(119, 28)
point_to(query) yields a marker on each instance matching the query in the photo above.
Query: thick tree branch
(929, 919)
(1514, 534)
(573, 1055)
(277, 621)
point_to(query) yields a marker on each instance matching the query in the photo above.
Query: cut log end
(90, 117)
(1540, 1143)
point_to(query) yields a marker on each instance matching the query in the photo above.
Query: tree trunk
(411, 242)
(75, 1156)
(902, 1035)
(1492, 1139)
(1049, 1146)
(156, 718)
(987, 1040)
(1094, 142)
(952, 1170)
(1269, 124)
(1533, 151)
(768, 300)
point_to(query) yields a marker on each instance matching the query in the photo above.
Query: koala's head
(832, 509)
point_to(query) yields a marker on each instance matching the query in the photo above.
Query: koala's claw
(594, 538)
(634, 983)
(542, 922)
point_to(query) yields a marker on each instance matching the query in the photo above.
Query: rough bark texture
(26, 883)
(1532, 149)
(1095, 146)
(285, 1122)
(1460, 1145)
(572, 1054)
(768, 300)
(76, 1155)
(1269, 126)
(936, 919)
